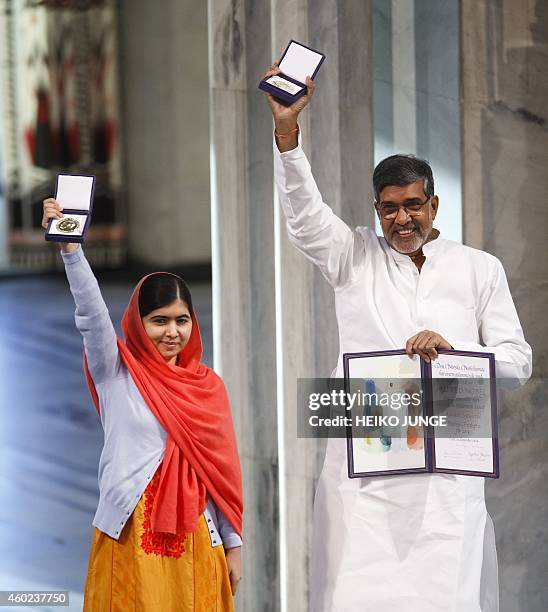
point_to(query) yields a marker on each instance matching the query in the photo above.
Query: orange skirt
(145, 571)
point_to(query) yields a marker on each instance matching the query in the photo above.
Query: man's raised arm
(311, 224)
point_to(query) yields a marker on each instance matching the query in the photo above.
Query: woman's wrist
(232, 548)
(69, 247)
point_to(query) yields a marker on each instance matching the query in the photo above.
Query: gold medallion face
(67, 225)
(282, 85)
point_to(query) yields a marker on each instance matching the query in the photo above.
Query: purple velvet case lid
(73, 211)
(285, 96)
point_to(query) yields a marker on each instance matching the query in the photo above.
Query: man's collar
(429, 249)
(432, 247)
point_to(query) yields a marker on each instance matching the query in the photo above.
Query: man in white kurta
(422, 542)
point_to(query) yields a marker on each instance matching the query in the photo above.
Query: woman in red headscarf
(169, 521)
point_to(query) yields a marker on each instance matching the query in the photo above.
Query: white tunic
(423, 542)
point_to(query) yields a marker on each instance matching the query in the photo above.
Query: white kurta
(423, 542)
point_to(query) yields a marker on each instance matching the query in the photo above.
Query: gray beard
(405, 247)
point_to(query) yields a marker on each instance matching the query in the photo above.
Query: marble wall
(504, 62)
(165, 91)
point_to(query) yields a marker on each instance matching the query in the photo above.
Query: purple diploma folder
(410, 416)
(297, 62)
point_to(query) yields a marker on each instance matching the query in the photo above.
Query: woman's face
(169, 329)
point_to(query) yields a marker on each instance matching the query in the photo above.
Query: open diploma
(448, 423)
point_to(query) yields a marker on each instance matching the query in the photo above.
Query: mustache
(407, 226)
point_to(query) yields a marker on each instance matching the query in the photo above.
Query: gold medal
(283, 85)
(67, 225)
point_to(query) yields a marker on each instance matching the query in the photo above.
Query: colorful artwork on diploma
(384, 438)
(385, 446)
(380, 441)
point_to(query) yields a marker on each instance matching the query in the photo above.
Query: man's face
(406, 233)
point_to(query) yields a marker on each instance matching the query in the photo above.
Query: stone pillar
(274, 317)
(337, 136)
(505, 155)
(164, 91)
(404, 76)
(244, 333)
(4, 259)
(297, 306)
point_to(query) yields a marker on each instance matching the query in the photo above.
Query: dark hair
(160, 290)
(401, 170)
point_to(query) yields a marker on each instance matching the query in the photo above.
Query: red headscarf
(190, 402)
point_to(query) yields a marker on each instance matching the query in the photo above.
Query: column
(403, 76)
(244, 277)
(505, 156)
(4, 255)
(274, 318)
(337, 136)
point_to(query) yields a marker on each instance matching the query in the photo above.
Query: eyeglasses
(390, 211)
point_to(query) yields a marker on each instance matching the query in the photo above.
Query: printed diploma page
(463, 390)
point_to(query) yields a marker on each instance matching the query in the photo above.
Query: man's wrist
(286, 125)
(287, 144)
(288, 140)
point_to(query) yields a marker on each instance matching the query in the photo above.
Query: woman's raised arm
(91, 315)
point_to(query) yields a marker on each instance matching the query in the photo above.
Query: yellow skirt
(145, 571)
